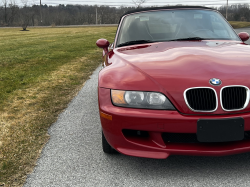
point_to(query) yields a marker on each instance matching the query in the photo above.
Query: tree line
(36, 15)
(237, 12)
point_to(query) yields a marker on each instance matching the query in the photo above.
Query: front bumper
(155, 123)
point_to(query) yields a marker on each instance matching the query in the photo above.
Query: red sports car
(175, 82)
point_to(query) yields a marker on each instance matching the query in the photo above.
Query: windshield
(170, 25)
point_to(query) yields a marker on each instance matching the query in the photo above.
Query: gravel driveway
(73, 157)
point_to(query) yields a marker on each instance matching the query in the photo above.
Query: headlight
(137, 99)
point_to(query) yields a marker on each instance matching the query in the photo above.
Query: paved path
(73, 157)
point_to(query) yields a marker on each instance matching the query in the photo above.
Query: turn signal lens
(106, 116)
(118, 97)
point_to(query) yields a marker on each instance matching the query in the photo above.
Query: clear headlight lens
(134, 98)
(137, 99)
(156, 98)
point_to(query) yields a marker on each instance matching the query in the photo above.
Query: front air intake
(201, 99)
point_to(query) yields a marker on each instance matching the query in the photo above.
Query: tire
(106, 147)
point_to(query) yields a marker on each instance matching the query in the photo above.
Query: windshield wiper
(190, 38)
(135, 42)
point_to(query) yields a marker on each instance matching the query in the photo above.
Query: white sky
(130, 3)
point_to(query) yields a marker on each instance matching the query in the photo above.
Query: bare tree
(13, 10)
(5, 3)
(138, 3)
(26, 15)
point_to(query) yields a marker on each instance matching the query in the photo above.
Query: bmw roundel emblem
(215, 82)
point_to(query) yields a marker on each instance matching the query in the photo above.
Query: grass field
(41, 70)
(239, 24)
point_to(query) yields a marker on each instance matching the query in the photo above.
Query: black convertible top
(164, 7)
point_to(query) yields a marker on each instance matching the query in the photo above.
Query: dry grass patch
(239, 24)
(22, 134)
(35, 89)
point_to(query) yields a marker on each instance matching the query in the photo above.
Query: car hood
(174, 67)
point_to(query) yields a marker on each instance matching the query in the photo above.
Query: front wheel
(106, 147)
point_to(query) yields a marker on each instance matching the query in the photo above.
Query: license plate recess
(220, 130)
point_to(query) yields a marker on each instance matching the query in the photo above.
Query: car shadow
(195, 168)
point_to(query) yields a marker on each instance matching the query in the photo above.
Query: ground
(40, 72)
(73, 157)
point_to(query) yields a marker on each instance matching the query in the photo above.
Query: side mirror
(244, 36)
(102, 43)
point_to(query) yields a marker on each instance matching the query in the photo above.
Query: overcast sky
(130, 3)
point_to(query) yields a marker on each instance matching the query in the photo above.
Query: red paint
(103, 43)
(171, 68)
(168, 121)
(150, 120)
(244, 36)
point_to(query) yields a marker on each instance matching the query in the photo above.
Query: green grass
(41, 70)
(24, 56)
(239, 24)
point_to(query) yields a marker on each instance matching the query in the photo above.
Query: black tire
(106, 147)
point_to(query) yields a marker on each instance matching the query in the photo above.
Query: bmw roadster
(175, 82)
